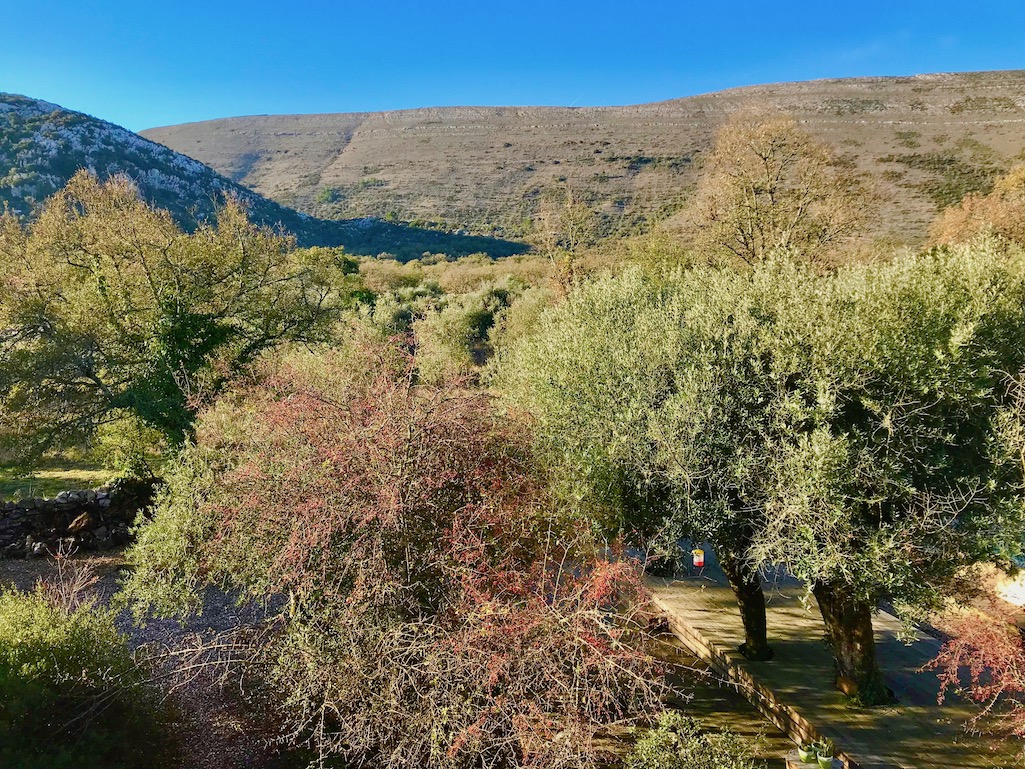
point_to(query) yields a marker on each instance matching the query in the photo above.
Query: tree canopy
(770, 186)
(903, 476)
(666, 398)
(850, 426)
(109, 309)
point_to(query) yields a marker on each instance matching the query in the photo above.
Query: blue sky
(143, 64)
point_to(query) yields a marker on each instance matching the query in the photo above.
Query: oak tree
(768, 186)
(109, 309)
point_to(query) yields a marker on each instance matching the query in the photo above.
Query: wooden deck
(795, 692)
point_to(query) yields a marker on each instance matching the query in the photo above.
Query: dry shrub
(438, 614)
(1001, 212)
(985, 661)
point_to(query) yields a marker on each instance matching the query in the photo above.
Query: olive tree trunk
(849, 629)
(747, 587)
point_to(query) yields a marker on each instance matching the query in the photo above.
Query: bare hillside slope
(924, 141)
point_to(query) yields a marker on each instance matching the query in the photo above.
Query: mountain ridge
(43, 144)
(923, 140)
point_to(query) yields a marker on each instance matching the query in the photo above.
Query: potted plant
(824, 752)
(806, 752)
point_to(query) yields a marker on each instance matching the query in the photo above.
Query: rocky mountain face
(922, 141)
(42, 145)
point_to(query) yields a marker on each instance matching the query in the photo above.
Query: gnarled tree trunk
(747, 587)
(849, 628)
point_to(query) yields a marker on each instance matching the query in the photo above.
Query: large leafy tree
(847, 426)
(900, 481)
(109, 309)
(662, 402)
(739, 399)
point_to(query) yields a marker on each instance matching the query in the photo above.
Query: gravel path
(215, 732)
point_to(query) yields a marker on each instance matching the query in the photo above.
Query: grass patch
(49, 478)
(909, 139)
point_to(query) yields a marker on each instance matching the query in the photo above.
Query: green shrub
(71, 691)
(454, 335)
(678, 743)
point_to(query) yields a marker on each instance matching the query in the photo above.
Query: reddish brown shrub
(985, 662)
(438, 613)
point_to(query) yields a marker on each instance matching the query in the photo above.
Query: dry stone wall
(93, 519)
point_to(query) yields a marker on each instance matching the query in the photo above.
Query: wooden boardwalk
(795, 691)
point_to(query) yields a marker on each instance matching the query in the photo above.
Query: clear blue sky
(143, 64)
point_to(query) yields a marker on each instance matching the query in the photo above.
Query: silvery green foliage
(857, 426)
(904, 476)
(667, 394)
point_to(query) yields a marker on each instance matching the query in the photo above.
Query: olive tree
(739, 399)
(900, 481)
(845, 425)
(662, 401)
(110, 310)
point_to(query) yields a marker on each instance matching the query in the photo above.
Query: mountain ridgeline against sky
(42, 145)
(922, 141)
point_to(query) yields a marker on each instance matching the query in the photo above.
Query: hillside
(42, 145)
(923, 140)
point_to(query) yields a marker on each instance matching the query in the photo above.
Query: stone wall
(94, 519)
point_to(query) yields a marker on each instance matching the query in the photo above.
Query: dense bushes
(679, 743)
(453, 335)
(438, 614)
(850, 426)
(71, 692)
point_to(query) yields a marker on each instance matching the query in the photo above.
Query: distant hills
(42, 145)
(924, 141)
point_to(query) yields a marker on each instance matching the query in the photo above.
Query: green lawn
(49, 478)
